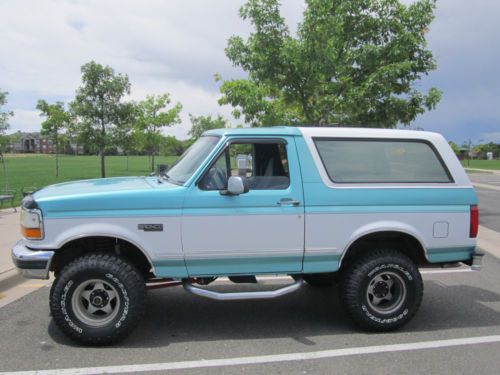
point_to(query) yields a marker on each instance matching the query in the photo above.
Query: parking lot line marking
(263, 359)
(31, 286)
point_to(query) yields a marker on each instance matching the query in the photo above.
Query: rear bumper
(477, 260)
(32, 264)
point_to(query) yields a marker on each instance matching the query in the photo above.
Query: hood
(109, 196)
(98, 185)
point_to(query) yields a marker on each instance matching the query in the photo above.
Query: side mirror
(236, 185)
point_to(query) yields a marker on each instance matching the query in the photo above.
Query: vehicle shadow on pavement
(173, 316)
(176, 316)
(455, 306)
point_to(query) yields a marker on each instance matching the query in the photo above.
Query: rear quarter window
(381, 161)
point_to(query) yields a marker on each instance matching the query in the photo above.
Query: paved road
(489, 199)
(182, 327)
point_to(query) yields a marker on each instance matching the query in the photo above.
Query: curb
(9, 279)
(493, 171)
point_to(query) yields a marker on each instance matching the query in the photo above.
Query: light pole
(470, 150)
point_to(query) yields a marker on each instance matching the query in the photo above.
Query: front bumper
(33, 264)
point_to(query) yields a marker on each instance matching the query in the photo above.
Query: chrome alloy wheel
(95, 302)
(386, 292)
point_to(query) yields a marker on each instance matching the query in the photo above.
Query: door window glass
(264, 165)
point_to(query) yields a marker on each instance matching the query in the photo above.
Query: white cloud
(25, 120)
(173, 46)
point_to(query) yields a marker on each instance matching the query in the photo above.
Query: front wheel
(382, 290)
(98, 299)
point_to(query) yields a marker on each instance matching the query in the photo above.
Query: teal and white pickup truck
(362, 207)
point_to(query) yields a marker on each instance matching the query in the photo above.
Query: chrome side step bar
(242, 295)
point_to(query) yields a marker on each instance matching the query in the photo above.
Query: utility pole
(468, 153)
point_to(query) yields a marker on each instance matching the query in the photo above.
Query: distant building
(36, 143)
(30, 142)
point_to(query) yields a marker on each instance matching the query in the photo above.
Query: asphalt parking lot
(457, 329)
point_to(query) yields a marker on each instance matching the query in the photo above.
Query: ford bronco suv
(364, 208)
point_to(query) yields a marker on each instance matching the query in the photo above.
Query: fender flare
(105, 230)
(383, 226)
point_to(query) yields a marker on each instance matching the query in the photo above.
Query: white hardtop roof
(368, 133)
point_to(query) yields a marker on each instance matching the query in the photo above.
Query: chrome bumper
(31, 263)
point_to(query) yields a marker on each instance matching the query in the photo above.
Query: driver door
(261, 231)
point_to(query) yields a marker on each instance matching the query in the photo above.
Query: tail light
(474, 221)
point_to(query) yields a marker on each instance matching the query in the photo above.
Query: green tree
(4, 125)
(98, 105)
(57, 119)
(4, 120)
(454, 147)
(352, 62)
(203, 123)
(171, 146)
(124, 133)
(72, 136)
(152, 116)
(492, 147)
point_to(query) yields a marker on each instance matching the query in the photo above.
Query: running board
(242, 295)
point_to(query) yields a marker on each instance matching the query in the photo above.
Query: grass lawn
(25, 170)
(482, 164)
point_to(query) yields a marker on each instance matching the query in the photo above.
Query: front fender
(156, 245)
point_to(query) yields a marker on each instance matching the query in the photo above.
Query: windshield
(191, 159)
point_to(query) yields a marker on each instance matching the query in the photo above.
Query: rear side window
(381, 161)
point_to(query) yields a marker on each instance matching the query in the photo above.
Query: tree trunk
(126, 155)
(6, 184)
(102, 148)
(57, 156)
(152, 161)
(101, 156)
(57, 163)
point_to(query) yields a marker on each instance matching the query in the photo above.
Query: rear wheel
(98, 299)
(382, 290)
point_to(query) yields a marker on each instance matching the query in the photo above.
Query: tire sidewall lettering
(391, 266)
(125, 298)
(64, 310)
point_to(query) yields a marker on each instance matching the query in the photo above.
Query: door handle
(288, 202)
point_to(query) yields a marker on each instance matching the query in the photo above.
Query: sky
(177, 46)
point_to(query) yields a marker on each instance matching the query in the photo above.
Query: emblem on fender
(150, 227)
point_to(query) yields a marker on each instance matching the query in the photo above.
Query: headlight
(31, 224)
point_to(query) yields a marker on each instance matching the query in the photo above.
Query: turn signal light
(31, 233)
